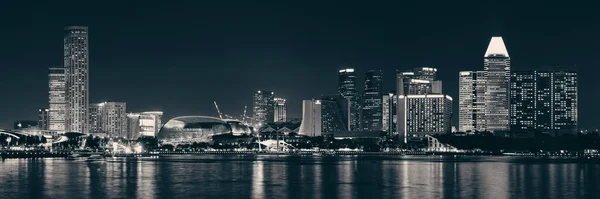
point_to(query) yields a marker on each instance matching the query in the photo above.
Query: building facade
(389, 113)
(419, 81)
(280, 110)
(149, 123)
(544, 101)
(321, 117)
(471, 101)
(264, 111)
(43, 118)
(347, 90)
(420, 115)
(497, 73)
(76, 63)
(108, 119)
(95, 120)
(372, 105)
(57, 104)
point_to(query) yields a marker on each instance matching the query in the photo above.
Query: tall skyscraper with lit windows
(496, 67)
(57, 100)
(280, 110)
(372, 101)
(544, 101)
(347, 90)
(264, 111)
(471, 102)
(76, 64)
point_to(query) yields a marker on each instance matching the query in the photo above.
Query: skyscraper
(108, 119)
(372, 101)
(523, 101)
(544, 101)
(76, 63)
(347, 90)
(114, 119)
(57, 104)
(264, 111)
(389, 113)
(321, 117)
(95, 120)
(419, 81)
(420, 115)
(471, 101)
(497, 73)
(280, 110)
(43, 118)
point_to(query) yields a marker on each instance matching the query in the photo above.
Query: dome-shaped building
(190, 129)
(237, 127)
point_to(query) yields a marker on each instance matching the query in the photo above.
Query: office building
(421, 115)
(471, 101)
(133, 126)
(321, 117)
(389, 113)
(264, 110)
(419, 81)
(347, 90)
(544, 101)
(497, 73)
(43, 118)
(76, 64)
(372, 105)
(57, 104)
(108, 119)
(280, 110)
(95, 120)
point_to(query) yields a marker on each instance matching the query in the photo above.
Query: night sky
(180, 57)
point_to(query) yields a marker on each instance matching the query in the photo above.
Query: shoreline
(41, 154)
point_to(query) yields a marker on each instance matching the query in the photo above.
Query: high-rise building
(347, 90)
(76, 63)
(421, 115)
(544, 101)
(57, 104)
(264, 107)
(133, 126)
(321, 117)
(522, 101)
(471, 101)
(114, 119)
(419, 81)
(497, 73)
(389, 113)
(280, 110)
(95, 120)
(372, 106)
(108, 119)
(43, 118)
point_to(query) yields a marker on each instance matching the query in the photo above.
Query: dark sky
(180, 57)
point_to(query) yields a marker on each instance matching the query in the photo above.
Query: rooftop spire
(496, 47)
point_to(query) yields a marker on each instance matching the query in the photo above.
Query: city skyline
(113, 83)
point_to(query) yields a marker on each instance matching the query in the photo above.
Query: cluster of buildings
(517, 102)
(267, 109)
(69, 109)
(496, 99)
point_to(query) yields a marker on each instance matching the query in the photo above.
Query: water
(295, 177)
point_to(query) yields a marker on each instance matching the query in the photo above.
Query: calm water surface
(296, 177)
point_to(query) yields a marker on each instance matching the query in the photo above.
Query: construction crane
(218, 111)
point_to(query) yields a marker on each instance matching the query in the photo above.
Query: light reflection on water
(295, 177)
